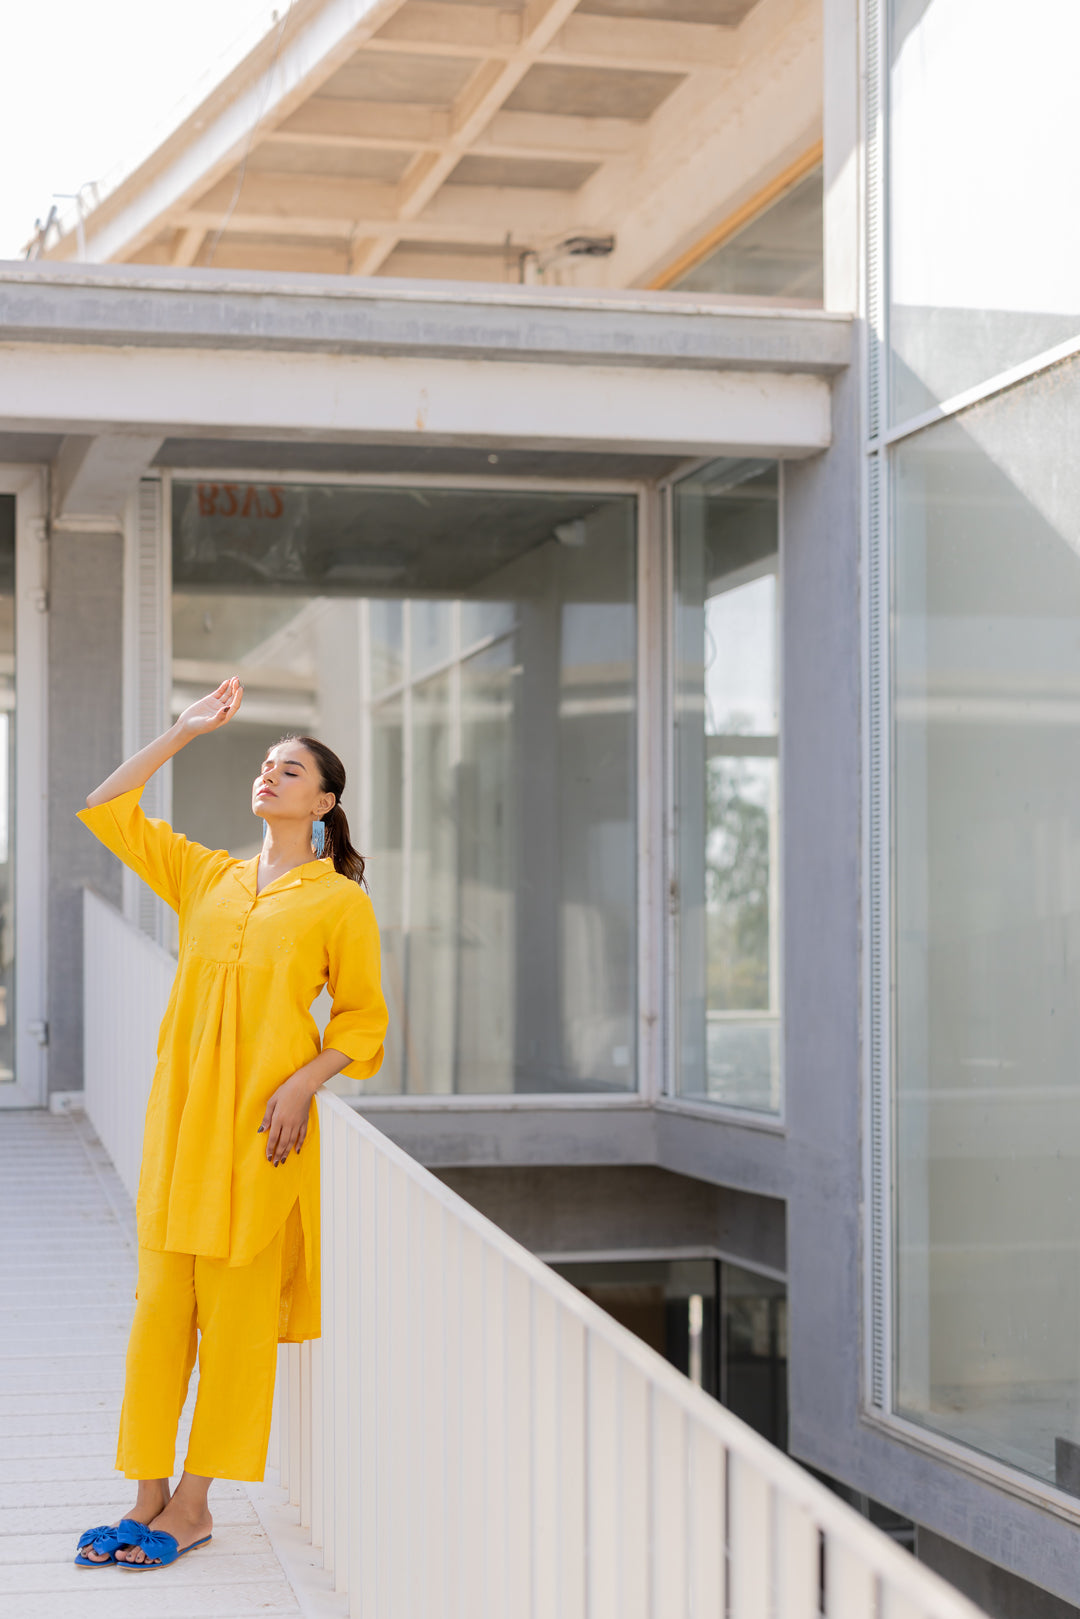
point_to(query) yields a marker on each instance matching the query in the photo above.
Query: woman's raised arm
(205, 715)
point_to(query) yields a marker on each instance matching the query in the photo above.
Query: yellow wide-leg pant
(236, 1310)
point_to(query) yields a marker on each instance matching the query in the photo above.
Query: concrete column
(85, 689)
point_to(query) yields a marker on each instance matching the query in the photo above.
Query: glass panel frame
(743, 757)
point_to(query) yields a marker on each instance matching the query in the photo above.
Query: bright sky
(92, 84)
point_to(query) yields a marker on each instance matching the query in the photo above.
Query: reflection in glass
(779, 254)
(987, 925)
(727, 784)
(722, 1326)
(983, 251)
(487, 854)
(472, 656)
(7, 788)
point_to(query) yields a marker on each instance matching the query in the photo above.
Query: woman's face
(287, 787)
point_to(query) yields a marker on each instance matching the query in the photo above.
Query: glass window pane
(987, 924)
(432, 891)
(471, 655)
(779, 254)
(727, 784)
(385, 876)
(7, 788)
(984, 238)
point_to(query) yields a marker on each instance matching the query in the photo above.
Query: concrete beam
(137, 307)
(450, 401)
(93, 477)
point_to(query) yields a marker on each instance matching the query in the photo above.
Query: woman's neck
(284, 847)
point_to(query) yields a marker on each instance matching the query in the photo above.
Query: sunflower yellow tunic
(237, 1024)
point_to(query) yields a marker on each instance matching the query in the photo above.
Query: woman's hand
(217, 708)
(286, 1118)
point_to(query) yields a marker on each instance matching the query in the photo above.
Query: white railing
(126, 982)
(472, 1438)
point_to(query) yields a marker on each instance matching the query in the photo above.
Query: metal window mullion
(671, 897)
(877, 742)
(649, 777)
(406, 829)
(454, 762)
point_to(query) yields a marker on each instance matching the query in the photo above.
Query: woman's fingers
(284, 1146)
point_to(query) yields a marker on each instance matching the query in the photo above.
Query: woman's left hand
(286, 1118)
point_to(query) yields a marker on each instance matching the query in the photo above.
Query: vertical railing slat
(344, 1410)
(517, 1370)
(431, 1397)
(544, 1444)
(572, 1428)
(362, 1351)
(602, 1479)
(750, 1547)
(295, 1454)
(472, 1526)
(850, 1582)
(495, 1506)
(798, 1561)
(634, 1490)
(705, 1522)
(670, 1466)
(304, 1491)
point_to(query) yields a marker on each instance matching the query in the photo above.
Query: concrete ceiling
(470, 140)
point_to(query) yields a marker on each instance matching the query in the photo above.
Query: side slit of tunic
(237, 1024)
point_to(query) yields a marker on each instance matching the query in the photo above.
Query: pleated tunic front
(238, 1023)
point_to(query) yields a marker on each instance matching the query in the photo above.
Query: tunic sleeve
(161, 857)
(358, 1016)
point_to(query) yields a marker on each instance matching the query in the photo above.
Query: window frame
(880, 438)
(671, 1098)
(650, 877)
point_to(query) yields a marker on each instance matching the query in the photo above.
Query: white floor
(66, 1294)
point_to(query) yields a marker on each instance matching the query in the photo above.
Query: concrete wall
(562, 1211)
(85, 671)
(997, 1593)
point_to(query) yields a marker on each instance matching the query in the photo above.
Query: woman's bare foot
(184, 1515)
(152, 1497)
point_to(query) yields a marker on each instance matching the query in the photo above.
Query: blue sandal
(108, 1537)
(157, 1543)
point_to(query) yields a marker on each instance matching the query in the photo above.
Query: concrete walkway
(67, 1276)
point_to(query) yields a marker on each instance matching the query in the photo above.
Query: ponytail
(347, 860)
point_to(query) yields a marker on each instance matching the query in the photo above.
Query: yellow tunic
(237, 1024)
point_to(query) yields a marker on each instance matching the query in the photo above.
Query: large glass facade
(987, 924)
(985, 636)
(726, 680)
(984, 165)
(471, 656)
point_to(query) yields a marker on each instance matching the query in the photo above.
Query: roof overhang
(474, 140)
(132, 357)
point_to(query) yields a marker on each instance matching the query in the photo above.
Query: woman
(228, 1211)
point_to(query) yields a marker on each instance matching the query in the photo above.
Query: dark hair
(346, 859)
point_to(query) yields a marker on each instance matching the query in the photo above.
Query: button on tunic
(238, 1023)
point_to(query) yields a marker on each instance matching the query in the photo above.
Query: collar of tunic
(247, 872)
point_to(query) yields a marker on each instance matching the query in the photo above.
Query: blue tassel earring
(318, 838)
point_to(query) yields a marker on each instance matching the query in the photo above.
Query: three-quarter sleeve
(160, 856)
(358, 1016)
